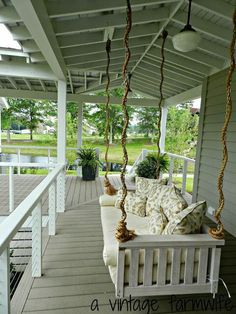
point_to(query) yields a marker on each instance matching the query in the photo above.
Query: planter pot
(88, 173)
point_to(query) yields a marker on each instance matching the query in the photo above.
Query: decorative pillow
(188, 220)
(144, 185)
(157, 222)
(134, 203)
(171, 200)
(153, 205)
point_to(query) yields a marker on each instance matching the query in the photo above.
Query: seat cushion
(188, 220)
(107, 200)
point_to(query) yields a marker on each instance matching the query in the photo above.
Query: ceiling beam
(28, 84)
(35, 17)
(74, 97)
(13, 52)
(84, 24)
(27, 70)
(162, 26)
(97, 36)
(9, 15)
(13, 82)
(184, 97)
(211, 29)
(95, 85)
(43, 86)
(218, 7)
(60, 8)
(70, 80)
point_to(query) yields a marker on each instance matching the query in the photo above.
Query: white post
(0, 130)
(163, 129)
(5, 282)
(61, 144)
(11, 189)
(184, 179)
(79, 133)
(98, 154)
(52, 210)
(18, 160)
(80, 126)
(37, 241)
(171, 170)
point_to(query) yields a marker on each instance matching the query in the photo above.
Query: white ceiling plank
(13, 82)
(34, 15)
(218, 7)
(190, 94)
(84, 24)
(20, 32)
(18, 69)
(62, 8)
(97, 85)
(195, 56)
(70, 80)
(85, 81)
(27, 83)
(101, 56)
(8, 14)
(180, 61)
(100, 47)
(37, 57)
(219, 32)
(29, 46)
(162, 26)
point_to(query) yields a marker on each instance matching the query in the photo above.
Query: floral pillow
(144, 186)
(171, 200)
(157, 222)
(134, 203)
(153, 205)
(188, 220)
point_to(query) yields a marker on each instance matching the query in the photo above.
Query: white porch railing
(185, 160)
(18, 150)
(31, 205)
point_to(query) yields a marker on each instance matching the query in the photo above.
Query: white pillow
(157, 222)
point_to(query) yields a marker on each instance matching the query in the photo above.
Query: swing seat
(158, 264)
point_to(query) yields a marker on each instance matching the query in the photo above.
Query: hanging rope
(164, 36)
(108, 187)
(122, 233)
(218, 232)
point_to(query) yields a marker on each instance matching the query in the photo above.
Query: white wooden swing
(166, 264)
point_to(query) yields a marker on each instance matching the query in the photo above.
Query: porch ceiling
(67, 39)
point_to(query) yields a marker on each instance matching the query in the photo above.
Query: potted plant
(89, 161)
(148, 167)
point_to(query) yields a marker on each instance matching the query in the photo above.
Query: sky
(6, 39)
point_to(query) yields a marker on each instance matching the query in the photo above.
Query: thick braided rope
(164, 36)
(218, 232)
(122, 233)
(108, 188)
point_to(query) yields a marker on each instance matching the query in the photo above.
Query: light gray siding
(209, 152)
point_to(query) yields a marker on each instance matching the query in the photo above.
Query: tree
(147, 120)
(7, 121)
(31, 112)
(95, 115)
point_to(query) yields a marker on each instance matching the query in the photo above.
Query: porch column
(61, 143)
(163, 128)
(79, 133)
(80, 125)
(0, 129)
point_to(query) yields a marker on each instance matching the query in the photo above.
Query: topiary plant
(148, 167)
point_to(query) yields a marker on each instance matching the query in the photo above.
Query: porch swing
(145, 264)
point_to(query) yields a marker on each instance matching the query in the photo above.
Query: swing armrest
(107, 200)
(188, 240)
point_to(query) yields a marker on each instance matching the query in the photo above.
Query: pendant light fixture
(187, 39)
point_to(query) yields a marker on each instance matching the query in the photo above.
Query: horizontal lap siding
(211, 149)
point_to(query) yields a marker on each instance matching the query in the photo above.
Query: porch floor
(73, 270)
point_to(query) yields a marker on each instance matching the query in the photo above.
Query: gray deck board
(73, 269)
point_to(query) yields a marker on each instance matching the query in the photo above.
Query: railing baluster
(98, 154)
(184, 178)
(5, 282)
(11, 189)
(37, 240)
(52, 210)
(61, 192)
(18, 160)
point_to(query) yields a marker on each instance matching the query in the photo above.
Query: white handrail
(27, 164)
(10, 225)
